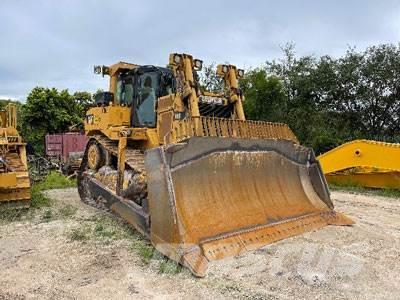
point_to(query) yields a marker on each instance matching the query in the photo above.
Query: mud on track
(72, 251)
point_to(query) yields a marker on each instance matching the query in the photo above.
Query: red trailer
(67, 148)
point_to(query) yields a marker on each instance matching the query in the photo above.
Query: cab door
(146, 94)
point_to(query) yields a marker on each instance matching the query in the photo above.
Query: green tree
(327, 101)
(369, 91)
(305, 97)
(5, 102)
(84, 101)
(264, 96)
(49, 111)
(209, 81)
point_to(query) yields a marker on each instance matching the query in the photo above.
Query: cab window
(125, 93)
(147, 96)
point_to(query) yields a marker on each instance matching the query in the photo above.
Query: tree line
(325, 100)
(47, 110)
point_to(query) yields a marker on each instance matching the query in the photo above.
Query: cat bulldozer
(187, 170)
(14, 176)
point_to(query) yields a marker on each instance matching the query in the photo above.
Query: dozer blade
(211, 198)
(14, 190)
(15, 185)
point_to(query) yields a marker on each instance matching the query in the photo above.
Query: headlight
(97, 69)
(105, 70)
(177, 59)
(198, 64)
(222, 70)
(240, 73)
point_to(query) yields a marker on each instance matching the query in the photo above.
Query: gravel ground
(71, 251)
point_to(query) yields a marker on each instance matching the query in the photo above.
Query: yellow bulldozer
(188, 171)
(14, 176)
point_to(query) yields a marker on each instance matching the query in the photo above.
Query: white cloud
(56, 43)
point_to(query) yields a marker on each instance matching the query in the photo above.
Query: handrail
(220, 127)
(11, 118)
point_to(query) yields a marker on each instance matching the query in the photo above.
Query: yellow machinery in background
(188, 171)
(14, 176)
(363, 163)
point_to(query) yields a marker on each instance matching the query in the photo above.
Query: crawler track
(134, 159)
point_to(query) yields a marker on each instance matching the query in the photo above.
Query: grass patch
(55, 180)
(101, 228)
(105, 229)
(47, 215)
(68, 211)
(104, 232)
(143, 248)
(12, 215)
(168, 266)
(392, 193)
(151, 257)
(39, 199)
(80, 234)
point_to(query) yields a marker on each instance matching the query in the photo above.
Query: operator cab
(140, 88)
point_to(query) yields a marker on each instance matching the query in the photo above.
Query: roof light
(198, 64)
(97, 69)
(177, 59)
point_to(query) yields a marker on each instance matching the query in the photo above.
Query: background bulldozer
(188, 171)
(14, 176)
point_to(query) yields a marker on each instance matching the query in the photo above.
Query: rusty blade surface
(228, 196)
(226, 191)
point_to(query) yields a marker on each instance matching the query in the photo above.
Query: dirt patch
(72, 251)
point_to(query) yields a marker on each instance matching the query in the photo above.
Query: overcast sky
(56, 43)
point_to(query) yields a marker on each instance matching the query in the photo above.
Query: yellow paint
(114, 119)
(152, 138)
(113, 71)
(14, 177)
(363, 162)
(8, 180)
(217, 202)
(230, 75)
(102, 118)
(121, 163)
